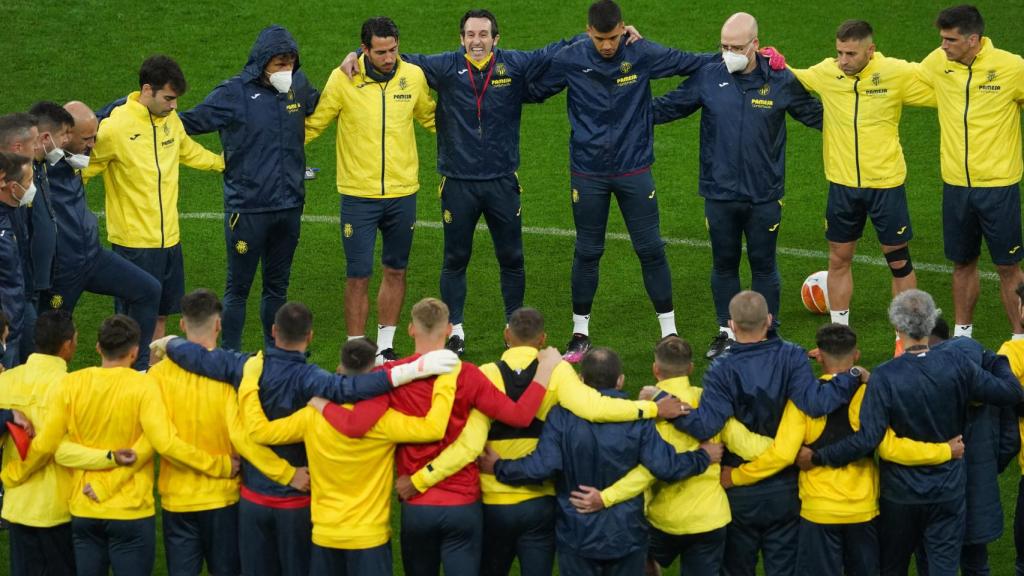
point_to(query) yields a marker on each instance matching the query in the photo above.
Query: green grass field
(91, 51)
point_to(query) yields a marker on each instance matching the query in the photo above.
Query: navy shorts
(848, 208)
(970, 213)
(167, 265)
(360, 220)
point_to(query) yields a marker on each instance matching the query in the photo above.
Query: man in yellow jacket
(112, 514)
(378, 172)
(200, 512)
(139, 148)
(39, 523)
(979, 90)
(1014, 351)
(863, 93)
(837, 505)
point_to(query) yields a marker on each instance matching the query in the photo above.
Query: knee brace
(896, 256)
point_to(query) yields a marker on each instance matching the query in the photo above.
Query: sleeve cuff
(419, 480)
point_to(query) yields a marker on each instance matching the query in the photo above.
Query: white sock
(1017, 337)
(581, 324)
(356, 337)
(728, 332)
(668, 323)
(385, 337)
(963, 330)
(457, 330)
(840, 317)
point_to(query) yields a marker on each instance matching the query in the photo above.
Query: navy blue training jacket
(262, 131)
(925, 397)
(12, 278)
(286, 385)
(742, 127)
(469, 149)
(609, 101)
(78, 240)
(578, 452)
(42, 229)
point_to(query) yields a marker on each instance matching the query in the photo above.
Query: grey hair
(913, 312)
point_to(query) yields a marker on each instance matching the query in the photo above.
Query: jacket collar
(37, 361)
(285, 355)
(675, 386)
(140, 112)
(371, 74)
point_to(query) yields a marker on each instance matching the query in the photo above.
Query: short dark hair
(357, 355)
(294, 322)
(601, 368)
(159, 71)
(854, 30)
(118, 335)
(200, 305)
(526, 324)
(478, 13)
(16, 164)
(379, 26)
(53, 329)
(941, 329)
(836, 340)
(15, 128)
(674, 356)
(604, 15)
(964, 18)
(50, 115)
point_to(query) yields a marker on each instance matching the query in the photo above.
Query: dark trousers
(128, 547)
(766, 522)
(462, 204)
(591, 200)
(267, 240)
(190, 538)
(41, 551)
(728, 223)
(699, 554)
(973, 560)
(525, 530)
(343, 562)
(937, 526)
(112, 275)
(433, 536)
(274, 541)
(850, 549)
(629, 565)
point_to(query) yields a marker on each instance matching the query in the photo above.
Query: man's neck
(125, 362)
(750, 337)
(423, 345)
(970, 56)
(208, 341)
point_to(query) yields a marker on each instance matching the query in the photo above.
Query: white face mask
(53, 156)
(734, 62)
(282, 81)
(78, 161)
(28, 196)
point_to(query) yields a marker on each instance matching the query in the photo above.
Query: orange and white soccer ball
(814, 292)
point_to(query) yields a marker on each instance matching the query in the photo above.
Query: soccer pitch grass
(91, 52)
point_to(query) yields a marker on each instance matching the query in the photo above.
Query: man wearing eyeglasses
(742, 160)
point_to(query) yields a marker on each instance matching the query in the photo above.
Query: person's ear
(689, 368)
(181, 325)
(133, 354)
(620, 382)
(656, 372)
(412, 330)
(856, 356)
(309, 338)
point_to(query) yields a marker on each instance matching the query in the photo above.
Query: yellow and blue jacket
(376, 143)
(979, 115)
(139, 155)
(861, 146)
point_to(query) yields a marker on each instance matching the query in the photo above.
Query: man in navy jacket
(742, 160)
(260, 115)
(923, 395)
(581, 453)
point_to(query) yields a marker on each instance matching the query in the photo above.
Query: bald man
(82, 265)
(742, 160)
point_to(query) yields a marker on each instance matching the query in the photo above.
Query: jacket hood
(273, 40)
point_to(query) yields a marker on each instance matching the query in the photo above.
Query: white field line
(819, 255)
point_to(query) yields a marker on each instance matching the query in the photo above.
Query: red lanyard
(480, 95)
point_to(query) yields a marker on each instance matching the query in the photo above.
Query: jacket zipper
(383, 130)
(159, 181)
(967, 105)
(856, 133)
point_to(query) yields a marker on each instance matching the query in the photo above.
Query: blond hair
(430, 315)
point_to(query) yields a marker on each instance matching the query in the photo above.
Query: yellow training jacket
(861, 142)
(696, 504)
(109, 409)
(205, 414)
(138, 155)
(565, 389)
(376, 143)
(351, 478)
(41, 501)
(979, 115)
(845, 495)
(1014, 351)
